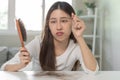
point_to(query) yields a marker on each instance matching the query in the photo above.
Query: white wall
(111, 37)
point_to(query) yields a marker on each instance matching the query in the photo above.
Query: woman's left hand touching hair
(78, 26)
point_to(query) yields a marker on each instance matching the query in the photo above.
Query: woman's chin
(60, 39)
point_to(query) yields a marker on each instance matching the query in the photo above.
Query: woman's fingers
(78, 26)
(25, 59)
(23, 49)
(24, 56)
(75, 18)
(77, 22)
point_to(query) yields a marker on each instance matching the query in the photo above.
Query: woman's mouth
(59, 33)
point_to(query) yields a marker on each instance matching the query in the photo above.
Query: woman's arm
(78, 28)
(13, 67)
(88, 58)
(17, 62)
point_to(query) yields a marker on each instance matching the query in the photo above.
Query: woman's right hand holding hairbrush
(24, 60)
(24, 57)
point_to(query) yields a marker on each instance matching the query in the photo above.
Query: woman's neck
(60, 47)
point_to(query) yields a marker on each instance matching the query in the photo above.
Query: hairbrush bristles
(23, 30)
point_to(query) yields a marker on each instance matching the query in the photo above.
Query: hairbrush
(21, 31)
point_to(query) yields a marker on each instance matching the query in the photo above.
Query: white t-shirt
(64, 62)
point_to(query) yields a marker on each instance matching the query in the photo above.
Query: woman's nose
(59, 26)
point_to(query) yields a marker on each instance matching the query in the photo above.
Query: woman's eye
(64, 21)
(52, 21)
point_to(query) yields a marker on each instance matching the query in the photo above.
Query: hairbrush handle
(19, 32)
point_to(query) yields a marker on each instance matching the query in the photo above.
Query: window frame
(11, 21)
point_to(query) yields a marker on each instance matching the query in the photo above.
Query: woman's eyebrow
(52, 18)
(60, 18)
(65, 17)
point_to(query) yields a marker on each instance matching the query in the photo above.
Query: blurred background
(102, 18)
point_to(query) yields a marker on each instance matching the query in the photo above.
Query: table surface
(59, 75)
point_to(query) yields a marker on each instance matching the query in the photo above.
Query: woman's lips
(59, 33)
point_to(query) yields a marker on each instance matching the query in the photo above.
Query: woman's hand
(78, 27)
(24, 57)
(24, 60)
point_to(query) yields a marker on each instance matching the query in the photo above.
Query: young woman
(61, 45)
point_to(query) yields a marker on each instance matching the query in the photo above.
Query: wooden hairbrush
(21, 31)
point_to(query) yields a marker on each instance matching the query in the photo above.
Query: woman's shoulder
(35, 43)
(38, 38)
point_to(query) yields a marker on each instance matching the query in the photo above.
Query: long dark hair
(47, 52)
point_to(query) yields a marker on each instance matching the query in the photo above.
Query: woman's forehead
(58, 13)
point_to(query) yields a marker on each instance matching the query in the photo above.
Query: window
(30, 12)
(3, 14)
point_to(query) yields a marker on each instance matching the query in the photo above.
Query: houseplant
(79, 12)
(90, 7)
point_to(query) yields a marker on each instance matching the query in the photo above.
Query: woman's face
(60, 25)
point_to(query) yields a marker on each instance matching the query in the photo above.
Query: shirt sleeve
(32, 49)
(16, 60)
(80, 58)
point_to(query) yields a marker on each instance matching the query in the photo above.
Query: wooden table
(59, 75)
